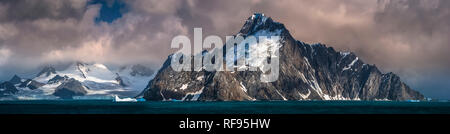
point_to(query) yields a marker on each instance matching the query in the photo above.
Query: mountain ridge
(307, 72)
(91, 80)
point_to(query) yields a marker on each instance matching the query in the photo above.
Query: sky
(407, 37)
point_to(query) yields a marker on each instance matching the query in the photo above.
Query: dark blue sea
(247, 107)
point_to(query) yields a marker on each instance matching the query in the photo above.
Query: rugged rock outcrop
(307, 72)
(46, 71)
(57, 79)
(7, 88)
(69, 89)
(31, 84)
(121, 81)
(15, 80)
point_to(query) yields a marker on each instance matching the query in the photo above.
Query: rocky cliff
(307, 72)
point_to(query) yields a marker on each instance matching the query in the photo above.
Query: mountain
(70, 88)
(307, 72)
(47, 71)
(7, 88)
(58, 79)
(135, 76)
(79, 79)
(31, 84)
(16, 80)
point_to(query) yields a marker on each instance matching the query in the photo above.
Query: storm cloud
(407, 37)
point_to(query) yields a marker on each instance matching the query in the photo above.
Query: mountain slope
(307, 72)
(93, 81)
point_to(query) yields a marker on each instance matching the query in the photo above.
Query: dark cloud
(29, 10)
(408, 37)
(421, 28)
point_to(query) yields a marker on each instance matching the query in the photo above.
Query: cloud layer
(408, 37)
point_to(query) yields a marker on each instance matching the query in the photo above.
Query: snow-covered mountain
(79, 80)
(135, 77)
(307, 72)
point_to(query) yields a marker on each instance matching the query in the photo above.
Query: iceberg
(117, 99)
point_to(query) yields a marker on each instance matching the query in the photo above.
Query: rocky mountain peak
(70, 88)
(307, 72)
(7, 88)
(80, 64)
(15, 79)
(260, 22)
(47, 71)
(31, 84)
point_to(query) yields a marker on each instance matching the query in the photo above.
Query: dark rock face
(69, 89)
(57, 79)
(140, 70)
(7, 88)
(47, 71)
(15, 80)
(31, 84)
(307, 72)
(120, 80)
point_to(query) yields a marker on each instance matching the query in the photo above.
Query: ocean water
(233, 107)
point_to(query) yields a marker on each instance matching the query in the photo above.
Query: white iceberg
(117, 99)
